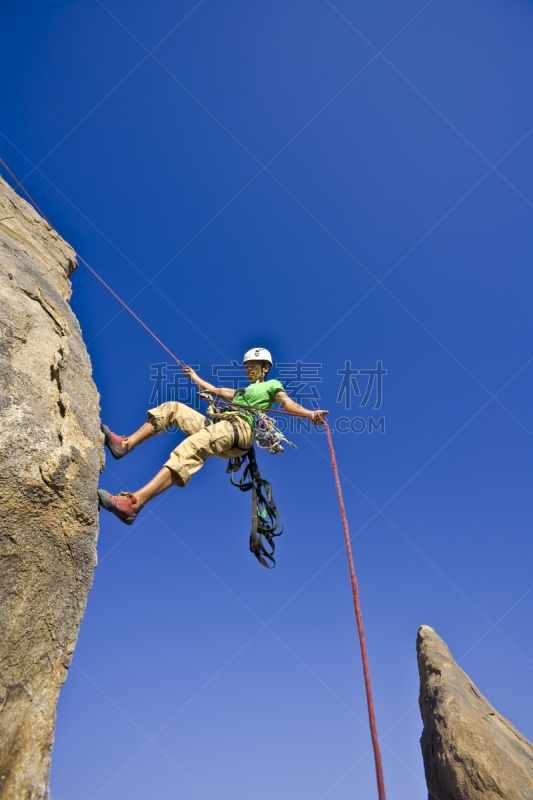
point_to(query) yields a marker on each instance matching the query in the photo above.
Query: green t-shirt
(260, 395)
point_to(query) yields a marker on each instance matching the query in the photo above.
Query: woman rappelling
(229, 435)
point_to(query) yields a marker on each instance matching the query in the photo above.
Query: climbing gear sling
(266, 522)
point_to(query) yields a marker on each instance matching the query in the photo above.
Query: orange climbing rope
(355, 590)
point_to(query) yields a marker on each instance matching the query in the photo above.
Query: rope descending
(359, 618)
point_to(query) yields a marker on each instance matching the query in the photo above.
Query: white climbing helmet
(257, 354)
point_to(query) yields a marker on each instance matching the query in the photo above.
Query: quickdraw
(267, 434)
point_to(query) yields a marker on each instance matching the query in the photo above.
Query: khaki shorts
(204, 438)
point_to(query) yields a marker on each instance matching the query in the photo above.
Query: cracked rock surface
(51, 455)
(470, 751)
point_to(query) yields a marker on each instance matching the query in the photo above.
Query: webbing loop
(266, 522)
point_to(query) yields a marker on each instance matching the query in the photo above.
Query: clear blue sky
(340, 182)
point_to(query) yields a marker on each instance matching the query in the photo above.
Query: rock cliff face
(470, 752)
(51, 456)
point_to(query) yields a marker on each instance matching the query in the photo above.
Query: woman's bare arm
(220, 391)
(316, 417)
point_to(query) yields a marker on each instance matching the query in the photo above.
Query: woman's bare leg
(159, 484)
(145, 432)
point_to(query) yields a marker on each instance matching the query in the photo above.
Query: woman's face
(254, 371)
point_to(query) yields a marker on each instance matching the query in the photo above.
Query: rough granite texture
(51, 455)
(470, 751)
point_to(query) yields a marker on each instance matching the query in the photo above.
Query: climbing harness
(266, 522)
(355, 591)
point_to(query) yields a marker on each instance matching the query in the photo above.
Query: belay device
(266, 522)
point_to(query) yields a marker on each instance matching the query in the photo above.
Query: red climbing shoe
(115, 443)
(119, 505)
